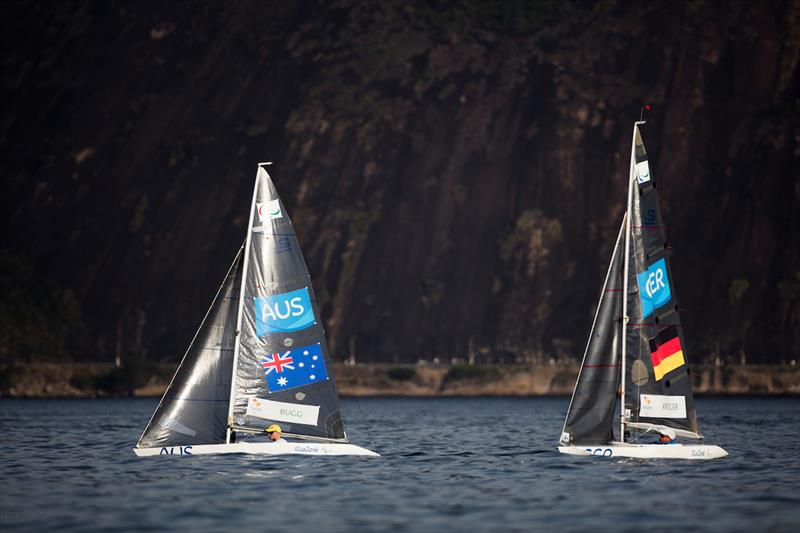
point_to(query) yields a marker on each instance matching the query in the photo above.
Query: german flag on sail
(666, 352)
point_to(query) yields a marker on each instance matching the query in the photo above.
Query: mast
(625, 317)
(237, 344)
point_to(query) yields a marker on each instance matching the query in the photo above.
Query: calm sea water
(448, 464)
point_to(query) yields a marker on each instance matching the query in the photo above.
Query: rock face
(456, 175)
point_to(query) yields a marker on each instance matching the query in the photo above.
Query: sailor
(274, 433)
(664, 439)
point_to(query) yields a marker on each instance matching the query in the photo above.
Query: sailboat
(636, 347)
(258, 358)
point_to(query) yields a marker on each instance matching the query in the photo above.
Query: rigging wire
(366, 424)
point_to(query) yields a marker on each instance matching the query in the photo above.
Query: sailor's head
(274, 432)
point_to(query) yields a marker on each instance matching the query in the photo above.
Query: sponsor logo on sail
(280, 313)
(269, 210)
(283, 411)
(654, 287)
(660, 406)
(666, 352)
(294, 368)
(643, 172)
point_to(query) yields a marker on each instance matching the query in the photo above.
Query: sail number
(605, 452)
(182, 450)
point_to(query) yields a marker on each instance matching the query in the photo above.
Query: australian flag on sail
(294, 368)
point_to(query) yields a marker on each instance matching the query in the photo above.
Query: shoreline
(375, 380)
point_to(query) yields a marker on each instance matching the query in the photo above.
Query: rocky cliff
(455, 171)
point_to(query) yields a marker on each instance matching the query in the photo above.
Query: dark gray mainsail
(658, 385)
(194, 408)
(591, 410)
(283, 371)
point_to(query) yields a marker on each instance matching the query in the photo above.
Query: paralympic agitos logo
(654, 287)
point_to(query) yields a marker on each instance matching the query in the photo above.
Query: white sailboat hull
(647, 451)
(260, 448)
